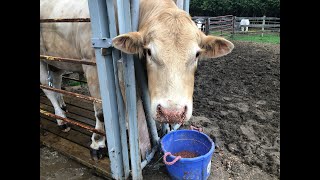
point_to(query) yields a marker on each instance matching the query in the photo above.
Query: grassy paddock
(267, 38)
(273, 38)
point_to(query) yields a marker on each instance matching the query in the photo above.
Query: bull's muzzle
(171, 115)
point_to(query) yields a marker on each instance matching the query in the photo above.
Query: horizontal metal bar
(101, 42)
(88, 128)
(149, 156)
(69, 60)
(71, 94)
(73, 79)
(65, 20)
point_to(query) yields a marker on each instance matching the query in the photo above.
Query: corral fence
(258, 25)
(229, 25)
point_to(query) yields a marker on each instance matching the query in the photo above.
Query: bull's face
(172, 46)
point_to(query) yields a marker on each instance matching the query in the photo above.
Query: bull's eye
(197, 55)
(149, 52)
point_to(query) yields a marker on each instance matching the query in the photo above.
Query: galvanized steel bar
(124, 19)
(80, 96)
(86, 127)
(141, 79)
(165, 128)
(65, 20)
(134, 14)
(100, 29)
(180, 4)
(69, 60)
(121, 106)
(186, 5)
(149, 156)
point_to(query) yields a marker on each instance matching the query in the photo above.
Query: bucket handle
(172, 162)
(196, 128)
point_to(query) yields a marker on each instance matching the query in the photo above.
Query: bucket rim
(195, 159)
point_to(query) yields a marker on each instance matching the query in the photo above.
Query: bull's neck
(150, 9)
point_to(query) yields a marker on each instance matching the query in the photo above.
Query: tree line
(246, 8)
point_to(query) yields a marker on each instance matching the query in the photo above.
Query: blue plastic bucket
(191, 141)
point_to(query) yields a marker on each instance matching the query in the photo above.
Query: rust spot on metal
(69, 60)
(65, 20)
(88, 128)
(96, 100)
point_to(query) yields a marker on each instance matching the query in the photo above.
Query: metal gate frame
(103, 26)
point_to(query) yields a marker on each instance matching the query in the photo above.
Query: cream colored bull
(167, 38)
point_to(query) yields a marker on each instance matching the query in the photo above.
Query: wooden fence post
(207, 26)
(263, 23)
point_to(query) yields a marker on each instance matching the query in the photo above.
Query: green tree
(235, 7)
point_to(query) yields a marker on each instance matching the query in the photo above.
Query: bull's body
(167, 38)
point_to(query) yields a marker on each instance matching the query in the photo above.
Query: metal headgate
(103, 27)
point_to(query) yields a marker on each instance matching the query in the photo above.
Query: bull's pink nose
(171, 115)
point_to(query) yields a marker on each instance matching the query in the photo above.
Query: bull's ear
(130, 43)
(214, 47)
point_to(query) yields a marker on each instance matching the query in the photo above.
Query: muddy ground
(237, 102)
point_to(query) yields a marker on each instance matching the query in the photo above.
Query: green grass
(267, 38)
(74, 83)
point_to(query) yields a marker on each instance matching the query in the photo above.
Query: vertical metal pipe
(121, 107)
(186, 5)
(142, 81)
(141, 78)
(99, 26)
(124, 18)
(135, 14)
(180, 4)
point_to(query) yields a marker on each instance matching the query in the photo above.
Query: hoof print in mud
(65, 128)
(98, 154)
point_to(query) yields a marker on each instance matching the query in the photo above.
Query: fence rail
(229, 25)
(259, 25)
(69, 60)
(80, 96)
(65, 20)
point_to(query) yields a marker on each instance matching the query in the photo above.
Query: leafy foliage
(248, 8)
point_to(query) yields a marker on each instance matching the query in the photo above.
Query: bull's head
(172, 45)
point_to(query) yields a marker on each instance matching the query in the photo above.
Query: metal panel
(180, 4)
(141, 79)
(140, 74)
(101, 42)
(121, 107)
(186, 5)
(99, 25)
(124, 19)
